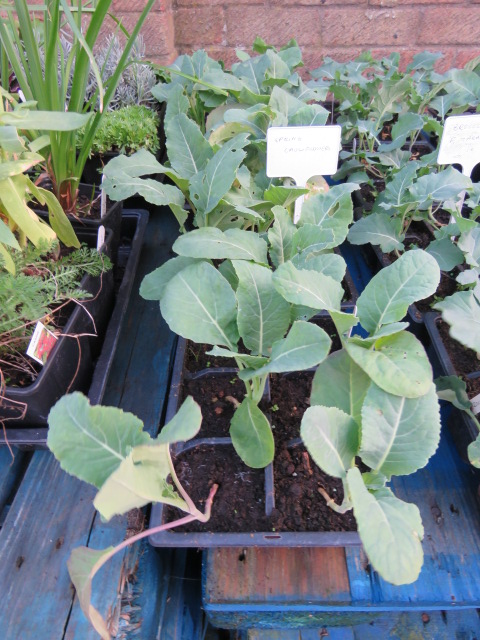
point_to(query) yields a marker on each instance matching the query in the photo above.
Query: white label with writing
(476, 404)
(460, 142)
(303, 152)
(100, 237)
(41, 343)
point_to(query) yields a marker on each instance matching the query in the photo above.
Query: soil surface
(239, 504)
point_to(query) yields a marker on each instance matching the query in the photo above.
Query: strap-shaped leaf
(263, 314)
(339, 382)
(188, 150)
(200, 305)
(399, 435)
(391, 531)
(208, 187)
(305, 346)
(331, 437)
(280, 236)
(252, 435)
(398, 364)
(213, 244)
(308, 288)
(91, 442)
(414, 276)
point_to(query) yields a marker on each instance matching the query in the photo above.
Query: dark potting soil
(464, 360)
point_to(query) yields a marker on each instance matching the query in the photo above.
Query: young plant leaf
(330, 264)
(248, 361)
(331, 437)
(462, 312)
(399, 435)
(339, 382)
(90, 442)
(308, 288)
(184, 425)
(331, 210)
(200, 305)
(263, 314)
(391, 531)
(252, 435)
(378, 229)
(213, 244)
(446, 253)
(188, 150)
(398, 364)
(154, 283)
(280, 236)
(414, 276)
(473, 451)
(453, 389)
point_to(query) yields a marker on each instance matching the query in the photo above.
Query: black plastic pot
(173, 538)
(78, 363)
(463, 429)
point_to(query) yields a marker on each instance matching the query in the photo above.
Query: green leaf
(7, 237)
(308, 288)
(90, 442)
(280, 236)
(446, 253)
(305, 346)
(140, 479)
(339, 382)
(331, 437)
(263, 314)
(445, 185)
(208, 187)
(399, 435)
(406, 124)
(414, 276)
(184, 425)
(200, 305)
(154, 283)
(474, 453)
(391, 531)
(310, 238)
(46, 120)
(188, 150)
(283, 196)
(82, 567)
(212, 243)
(453, 389)
(462, 312)
(343, 321)
(331, 210)
(398, 364)
(253, 362)
(469, 243)
(379, 229)
(57, 218)
(252, 435)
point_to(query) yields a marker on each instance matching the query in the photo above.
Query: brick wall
(338, 28)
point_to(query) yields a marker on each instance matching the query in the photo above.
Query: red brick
(199, 26)
(317, 3)
(158, 34)
(394, 3)
(462, 56)
(371, 27)
(127, 6)
(274, 25)
(445, 25)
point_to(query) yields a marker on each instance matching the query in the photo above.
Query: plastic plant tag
(103, 201)
(100, 236)
(301, 153)
(41, 343)
(476, 404)
(460, 142)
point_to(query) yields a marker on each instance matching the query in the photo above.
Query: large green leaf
(462, 312)
(331, 437)
(469, 243)
(283, 196)
(331, 210)
(445, 185)
(154, 283)
(446, 253)
(399, 435)
(330, 264)
(208, 187)
(398, 364)
(252, 435)
(141, 478)
(200, 305)
(280, 236)
(184, 425)
(212, 243)
(391, 531)
(188, 150)
(378, 229)
(45, 120)
(263, 314)
(305, 346)
(339, 382)
(414, 276)
(308, 288)
(91, 442)
(310, 239)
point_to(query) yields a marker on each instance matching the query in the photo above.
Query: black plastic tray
(92, 376)
(172, 538)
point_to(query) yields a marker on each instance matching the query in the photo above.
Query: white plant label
(41, 343)
(100, 237)
(460, 142)
(476, 404)
(301, 153)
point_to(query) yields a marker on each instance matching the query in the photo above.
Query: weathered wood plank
(11, 473)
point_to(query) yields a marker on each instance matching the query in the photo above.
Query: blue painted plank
(13, 465)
